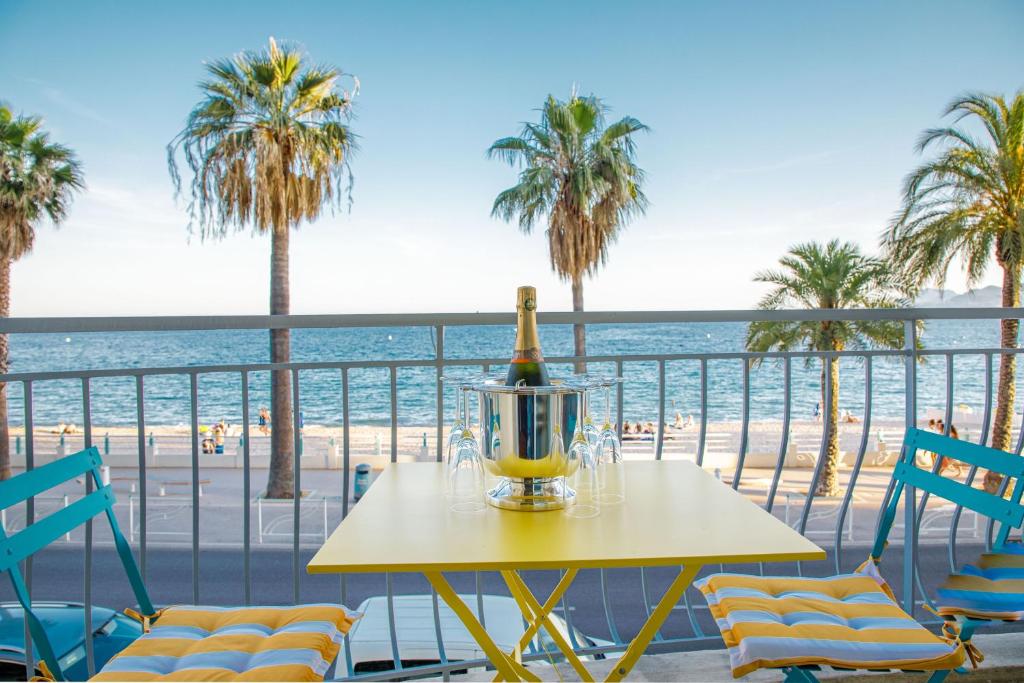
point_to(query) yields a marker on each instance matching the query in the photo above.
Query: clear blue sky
(772, 123)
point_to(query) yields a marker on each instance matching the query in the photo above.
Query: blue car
(64, 623)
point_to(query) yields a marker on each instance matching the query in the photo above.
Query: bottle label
(527, 356)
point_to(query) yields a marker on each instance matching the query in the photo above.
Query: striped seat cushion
(850, 620)
(234, 644)
(992, 588)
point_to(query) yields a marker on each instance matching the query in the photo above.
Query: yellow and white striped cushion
(233, 644)
(850, 621)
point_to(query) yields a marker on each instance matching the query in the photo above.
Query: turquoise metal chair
(296, 642)
(977, 596)
(36, 536)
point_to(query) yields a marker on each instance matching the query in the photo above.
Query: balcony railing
(774, 477)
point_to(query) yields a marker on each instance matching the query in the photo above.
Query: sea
(166, 397)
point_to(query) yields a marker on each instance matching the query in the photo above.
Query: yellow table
(674, 514)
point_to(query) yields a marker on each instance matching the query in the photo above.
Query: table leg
(508, 668)
(537, 615)
(661, 611)
(549, 605)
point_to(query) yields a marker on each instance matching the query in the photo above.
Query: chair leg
(938, 676)
(795, 674)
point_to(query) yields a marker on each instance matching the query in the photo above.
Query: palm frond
(577, 174)
(268, 145)
(38, 179)
(965, 204)
(831, 275)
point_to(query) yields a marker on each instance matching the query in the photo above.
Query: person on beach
(953, 466)
(264, 421)
(817, 412)
(627, 428)
(218, 437)
(678, 424)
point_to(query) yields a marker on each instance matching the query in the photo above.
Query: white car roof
(415, 628)
(370, 637)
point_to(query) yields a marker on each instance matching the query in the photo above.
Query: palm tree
(37, 180)
(968, 202)
(583, 177)
(268, 146)
(828, 276)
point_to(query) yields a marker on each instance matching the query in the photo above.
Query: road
(58, 574)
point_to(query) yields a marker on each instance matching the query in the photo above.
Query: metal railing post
(30, 511)
(194, 422)
(296, 485)
(439, 357)
(140, 426)
(660, 434)
(909, 492)
(703, 434)
(618, 398)
(246, 494)
(394, 413)
(90, 657)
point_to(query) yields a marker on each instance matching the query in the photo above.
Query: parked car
(370, 637)
(64, 623)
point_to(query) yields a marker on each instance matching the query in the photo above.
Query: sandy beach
(418, 442)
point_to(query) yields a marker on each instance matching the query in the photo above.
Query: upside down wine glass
(458, 426)
(611, 475)
(466, 476)
(590, 431)
(582, 478)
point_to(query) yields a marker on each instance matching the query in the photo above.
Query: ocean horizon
(166, 396)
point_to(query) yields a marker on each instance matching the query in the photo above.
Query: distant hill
(985, 297)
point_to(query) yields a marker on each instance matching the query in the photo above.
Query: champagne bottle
(527, 362)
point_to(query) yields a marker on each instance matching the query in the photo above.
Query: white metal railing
(798, 511)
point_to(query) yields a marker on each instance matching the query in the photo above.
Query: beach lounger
(198, 643)
(853, 621)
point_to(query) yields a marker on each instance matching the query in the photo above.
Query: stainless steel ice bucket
(525, 433)
(526, 436)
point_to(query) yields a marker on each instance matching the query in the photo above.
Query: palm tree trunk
(5, 310)
(579, 330)
(828, 485)
(280, 483)
(1006, 394)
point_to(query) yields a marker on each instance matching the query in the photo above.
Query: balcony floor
(1004, 661)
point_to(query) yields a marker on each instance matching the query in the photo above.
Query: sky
(771, 124)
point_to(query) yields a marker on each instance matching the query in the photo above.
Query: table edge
(327, 568)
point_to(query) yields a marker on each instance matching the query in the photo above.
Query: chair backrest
(43, 531)
(1008, 513)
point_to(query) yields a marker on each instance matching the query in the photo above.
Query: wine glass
(590, 431)
(466, 476)
(458, 426)
(610, 467)
(582, 478)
